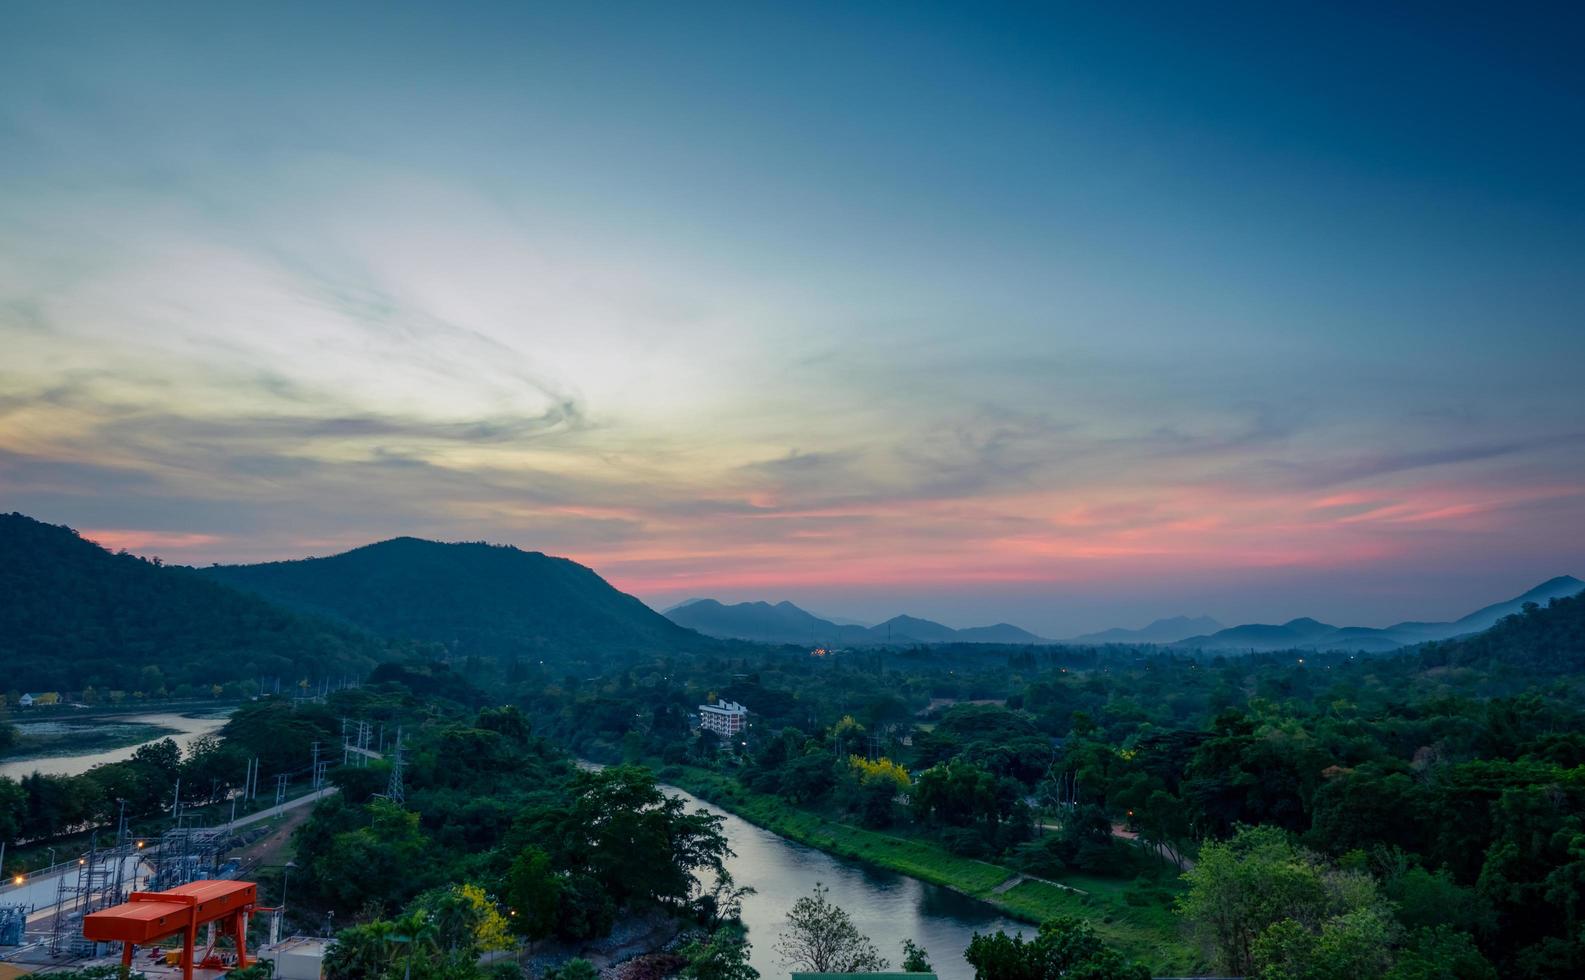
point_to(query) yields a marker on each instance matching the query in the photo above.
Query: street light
(286, 879)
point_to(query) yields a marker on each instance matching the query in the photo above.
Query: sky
(1065, 316)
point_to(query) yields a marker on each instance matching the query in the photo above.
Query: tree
(362, 952)
(820, 937)
(533, 891)
(631, 838)
(723, 903)
(915, 960)
(465, 920)
(1065, 947)
(576, 968)
(724, 956)
(1239, 889)
(1442, 953)
(1355, 944)
(376, 863)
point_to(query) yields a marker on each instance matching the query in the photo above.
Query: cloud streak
(551, 301)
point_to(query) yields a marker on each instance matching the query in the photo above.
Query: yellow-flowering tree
(490, 929)
(881, 769)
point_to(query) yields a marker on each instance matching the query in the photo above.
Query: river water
(187, 729)
(885, 906)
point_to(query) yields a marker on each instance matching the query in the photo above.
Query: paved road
(41, 890)
(276, 811)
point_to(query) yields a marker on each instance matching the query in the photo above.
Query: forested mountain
(73, 615)
(1543, 641)
(476, 599)
(786, 623)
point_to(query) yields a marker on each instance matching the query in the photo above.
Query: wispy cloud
(245, 315)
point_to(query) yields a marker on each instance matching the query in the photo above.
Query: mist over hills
(784, 622)
(1168, 630)
(1308, 634)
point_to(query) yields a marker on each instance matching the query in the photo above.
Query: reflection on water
(885, 906)
(187, 729)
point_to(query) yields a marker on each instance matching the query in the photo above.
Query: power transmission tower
(393, 789)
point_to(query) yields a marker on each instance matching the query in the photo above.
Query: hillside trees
(1064, 947)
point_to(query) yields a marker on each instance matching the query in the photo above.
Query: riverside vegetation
(1293, 815)
(1424, 808)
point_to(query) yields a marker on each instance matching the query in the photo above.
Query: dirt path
(1019, 879)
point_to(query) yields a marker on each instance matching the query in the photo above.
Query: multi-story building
(725, 718)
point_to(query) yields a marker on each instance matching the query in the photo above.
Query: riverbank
(1142, 926)
(50, 739)
(69, 744)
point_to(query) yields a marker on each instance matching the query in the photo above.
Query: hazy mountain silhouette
(784, 622)
(474, 598)
(1161, 631)
(1307, 634)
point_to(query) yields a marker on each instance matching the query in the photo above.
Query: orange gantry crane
(148, 917)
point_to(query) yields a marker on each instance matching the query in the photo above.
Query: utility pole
(314, 772)
(176, 802)
(280, 789)
(394, 790)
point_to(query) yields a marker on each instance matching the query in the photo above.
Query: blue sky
(1061, 315)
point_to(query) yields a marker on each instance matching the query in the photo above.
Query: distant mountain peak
(1556, 584)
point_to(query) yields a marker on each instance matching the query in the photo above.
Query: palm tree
(417, 929)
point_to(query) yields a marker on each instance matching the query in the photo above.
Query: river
(885, 906)
(186, 730)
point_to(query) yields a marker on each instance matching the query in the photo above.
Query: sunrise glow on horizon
(1068, 319)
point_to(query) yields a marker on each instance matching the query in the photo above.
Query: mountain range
(1161, 631)
(784, 622)
(74, 615)
(1308, 634)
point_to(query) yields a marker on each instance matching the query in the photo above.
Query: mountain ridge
(1308, 634)
(784, 622)
(1168, 630)
(74, 615)
(475, 598)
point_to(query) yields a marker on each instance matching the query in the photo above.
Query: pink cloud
(149, 542)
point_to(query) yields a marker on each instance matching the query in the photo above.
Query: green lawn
(1144, 929)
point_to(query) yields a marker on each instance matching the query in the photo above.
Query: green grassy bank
(1134, 918)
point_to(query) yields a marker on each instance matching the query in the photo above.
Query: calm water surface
(886, 907)
(187, 729)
